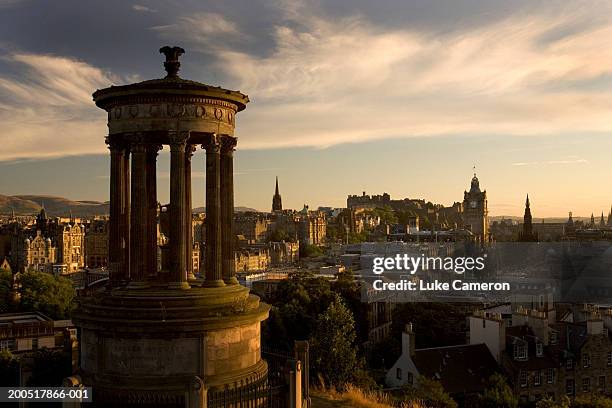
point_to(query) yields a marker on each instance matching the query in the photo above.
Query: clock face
(473, 204)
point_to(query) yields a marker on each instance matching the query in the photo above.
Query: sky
(397, 96)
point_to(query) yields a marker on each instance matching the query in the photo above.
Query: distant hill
(539, 220)
(54, 206)
(61, 207)
(199, 210)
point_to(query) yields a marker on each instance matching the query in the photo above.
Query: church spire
(277, 202)
(527, 234)
(276, 190)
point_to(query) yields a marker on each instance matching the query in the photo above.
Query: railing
(271, 391)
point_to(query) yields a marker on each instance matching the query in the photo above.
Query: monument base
(150, 345)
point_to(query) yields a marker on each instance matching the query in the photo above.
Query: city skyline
(435, 96)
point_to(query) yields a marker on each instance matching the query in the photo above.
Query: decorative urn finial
(172, 63)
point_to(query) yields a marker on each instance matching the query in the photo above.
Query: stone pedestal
(145, 346)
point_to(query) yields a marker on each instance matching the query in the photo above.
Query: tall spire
(277, 202)
(276, 190)
(527, 234)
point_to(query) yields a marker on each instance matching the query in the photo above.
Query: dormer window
(553, 337)
(539, 349)
(520, 351)
(586, 360)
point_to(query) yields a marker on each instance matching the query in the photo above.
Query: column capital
(115, 143)
(212, 143)
(138, 147)
(228, 144)
(154, 148)
(176, 137)
(189, 151)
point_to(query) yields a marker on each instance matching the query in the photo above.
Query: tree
(46, 293)
(430, 393)
(592, 401)
(548, 402)
(5, 287)
(307, 251)
(50, 367)
(334, 356)
(498, 394)
(9, 369)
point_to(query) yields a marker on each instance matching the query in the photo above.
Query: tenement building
(161, 336)
(548, 357)
(96, 244)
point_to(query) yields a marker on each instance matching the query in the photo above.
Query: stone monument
(164, 336)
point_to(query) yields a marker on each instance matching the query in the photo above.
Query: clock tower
(475, 212)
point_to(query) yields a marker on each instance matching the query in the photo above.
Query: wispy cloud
(47, 111)
(141, 8)
(552, 162)
(201, 31)
(329, 81)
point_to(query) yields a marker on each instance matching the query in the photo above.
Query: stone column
(151, 221)
(115, 210)
(228, 143)
(178, 271)
(189, 150)
(214, 277)
(125, 215)
(139, 213)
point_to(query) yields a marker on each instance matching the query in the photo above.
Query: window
(410, 379)
(569, 386)
(523, 378)
(569, 364)
(4, 345)
(398, 373)
(609, 358)
(539, 349)
(586, 384)
(550, 375)
(537, 378)
(602, 383)
(553, 337)
(586, 360)
(520, 351)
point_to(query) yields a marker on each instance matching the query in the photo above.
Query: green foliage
(386, 214)
(5, 287)
(592, 401)
(46, 293)
(9, 369)
(498, 394)
(334, 354)
(50, 367)
(550, 403)
(310, 251)
(430, 393)
(279, 235)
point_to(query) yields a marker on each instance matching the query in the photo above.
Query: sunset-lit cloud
(47, 110)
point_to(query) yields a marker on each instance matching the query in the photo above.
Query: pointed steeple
(276, 190)
(602, 222)
(592, 220)
(527, 233)
(277, 202)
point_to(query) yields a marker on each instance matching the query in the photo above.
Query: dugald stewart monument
(159, 335)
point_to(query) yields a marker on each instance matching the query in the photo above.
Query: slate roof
(460, 369)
